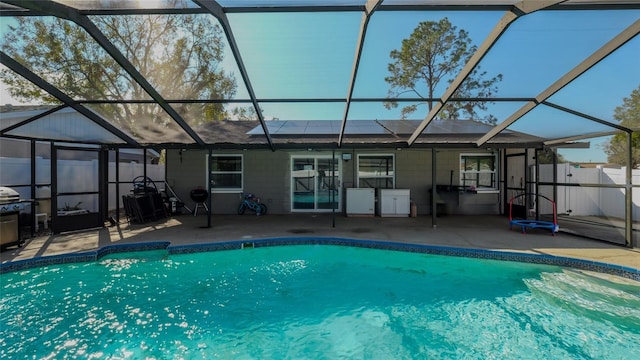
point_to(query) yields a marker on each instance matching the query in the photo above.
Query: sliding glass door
(315, 183)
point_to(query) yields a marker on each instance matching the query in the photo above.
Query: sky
(302, 56)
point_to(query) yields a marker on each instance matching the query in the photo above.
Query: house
(544, 102)
(310, 173)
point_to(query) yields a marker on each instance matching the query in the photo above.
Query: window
(376, 171)
(226, 173)
(478, 171)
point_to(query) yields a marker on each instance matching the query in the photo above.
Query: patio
(473, 232)
(550, 100)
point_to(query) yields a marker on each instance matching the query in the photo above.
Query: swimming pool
(315, 301)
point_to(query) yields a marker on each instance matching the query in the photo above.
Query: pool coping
(94, 255)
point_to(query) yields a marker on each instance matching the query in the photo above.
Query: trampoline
(533, 224)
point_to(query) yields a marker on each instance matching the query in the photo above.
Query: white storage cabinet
(394, 202)
(360, 202)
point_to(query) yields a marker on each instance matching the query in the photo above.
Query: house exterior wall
(267, 174)
(413, 172)
(185, 172)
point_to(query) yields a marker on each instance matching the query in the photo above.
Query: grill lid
(8, 195)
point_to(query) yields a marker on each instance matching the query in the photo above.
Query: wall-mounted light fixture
(346, 156)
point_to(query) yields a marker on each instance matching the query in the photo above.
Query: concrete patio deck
(474, 232)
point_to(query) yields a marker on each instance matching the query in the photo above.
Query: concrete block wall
(185, 172)
(446, 162)
(267, 175)
(413, 172)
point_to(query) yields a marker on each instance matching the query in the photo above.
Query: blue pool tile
(588, 265)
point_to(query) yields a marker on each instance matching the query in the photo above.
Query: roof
(73, 126)
(318, 69)
(362, 134)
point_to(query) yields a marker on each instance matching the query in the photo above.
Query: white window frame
(241, 172)
(392, 177)
(493, 172)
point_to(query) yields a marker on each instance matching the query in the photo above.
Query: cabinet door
(403, 204)
(394, 202)
(387, 205)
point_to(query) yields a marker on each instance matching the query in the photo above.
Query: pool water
(315, 302)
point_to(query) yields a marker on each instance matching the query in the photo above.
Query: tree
(179, 55)
(435, 52)
(546, 157)
(628, 115)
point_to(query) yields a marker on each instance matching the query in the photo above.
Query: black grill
(199, 195)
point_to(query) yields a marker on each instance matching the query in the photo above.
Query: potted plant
(73, 217)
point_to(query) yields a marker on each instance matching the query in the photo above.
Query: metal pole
(103, 183)
(209, 208)
(434, 222)
(54, 188)
(144, 169)
(525, 184)
(333, 188)
(628, 233)
(537, 184)
(117, 184)
(555, 176)
(505, 183)
(34, 199)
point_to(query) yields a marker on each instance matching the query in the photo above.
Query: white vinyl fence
(590, 201)
(73, 176)
(77, 176)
